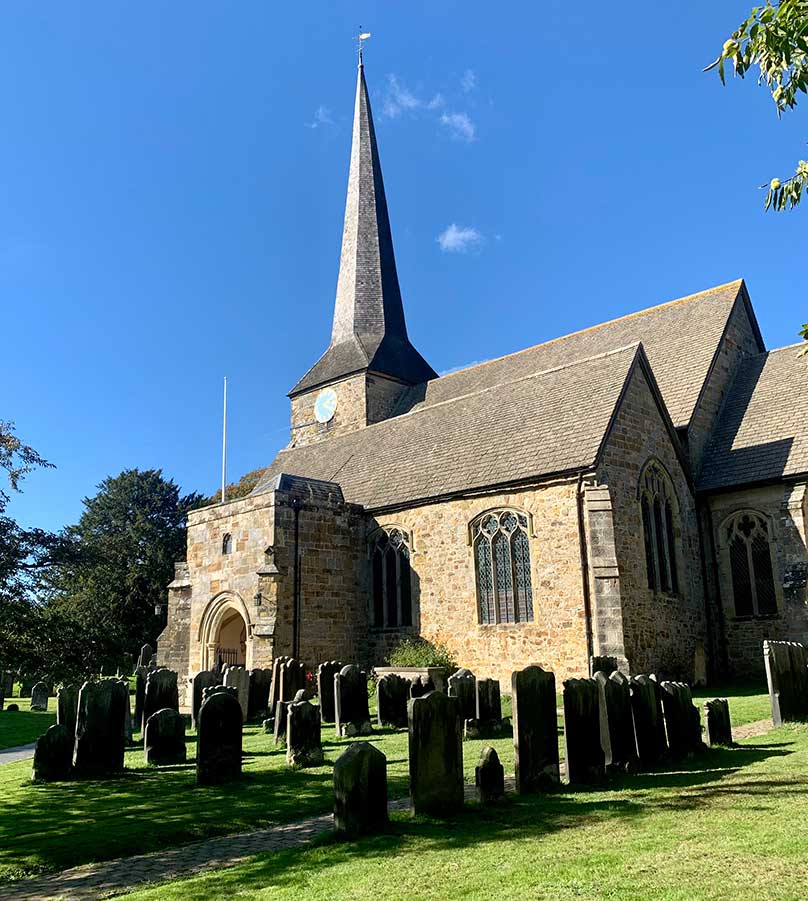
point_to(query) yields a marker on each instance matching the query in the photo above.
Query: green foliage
(234, 490)
(420, 652)
(804, 336)
(17, 459)
(775, 39)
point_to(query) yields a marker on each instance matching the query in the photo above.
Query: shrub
(420, 652)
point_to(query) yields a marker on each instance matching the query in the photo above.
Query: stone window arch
(391, 578)
(227, 543)
(659, 513)
(501, 546)
(746, 542)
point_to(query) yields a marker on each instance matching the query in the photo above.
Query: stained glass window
(392, 579)
(657, 512)
(502, 564)
(750, 563)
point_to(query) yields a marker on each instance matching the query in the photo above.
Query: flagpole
(224, 443)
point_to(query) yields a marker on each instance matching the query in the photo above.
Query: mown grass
(733, 824)
(23, 726)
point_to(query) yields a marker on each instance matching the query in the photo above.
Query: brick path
(12, 755)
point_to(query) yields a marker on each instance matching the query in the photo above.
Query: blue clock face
(326, 405)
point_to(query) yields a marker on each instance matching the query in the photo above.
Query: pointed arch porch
(220, 615)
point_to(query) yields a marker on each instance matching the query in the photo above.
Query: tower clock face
(325, 405)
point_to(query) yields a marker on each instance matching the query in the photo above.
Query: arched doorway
(231, 643)
(224, 632)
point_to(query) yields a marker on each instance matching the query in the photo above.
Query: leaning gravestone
(100, 744)
(583, 754)
(351, 710)
(325, 688)
(67, 699)
(237, 677)
(164, 738)
(53, 755)
(275, 684)
(260, 681)
(787, 675)
(39, 696)
(218, 748)
(282, 717)
(202, 680)
(128, 730)
(392, 694)
(682, 723)
(145, 656)
(360, 790)
(717, 725)
(616, 723)
(141, 674)
(436, 754)
(303, 738)
(489, 776)
(463, 686)
(535, 730)
(649, 724)
(161, 691)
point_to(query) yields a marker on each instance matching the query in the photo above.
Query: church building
(636, 489)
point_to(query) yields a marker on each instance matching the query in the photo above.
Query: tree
(775, 39)
(234, 490)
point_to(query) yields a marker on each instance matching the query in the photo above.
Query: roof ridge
(775, 350)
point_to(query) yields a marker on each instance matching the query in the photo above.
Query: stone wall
(351, 413)
(784, 507)
(660, 631)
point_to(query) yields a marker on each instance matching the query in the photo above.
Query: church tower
(370, 360)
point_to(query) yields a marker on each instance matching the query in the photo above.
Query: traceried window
(658, 513)
(750, 564)
(227, 544)
(502, 567)
(392, 579)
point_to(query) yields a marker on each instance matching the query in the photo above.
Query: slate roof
(762, 432)
(680, 338)
(535, 425)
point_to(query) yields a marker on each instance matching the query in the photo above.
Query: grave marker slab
(325, 688)
(260, 681)
(145, 657)
(535, 731)
(164, 738)
(435, 754)
(360, 790)
(682, 722)
(489, 776)
(53, 755)
(717, 724)
(392, 694)
(161, 691)
(39, 696)
(488, 706)
(237, 677)
(351, 709)
(583, 755)
(787, 676)
(616, 723)
(603, 664)
(218, 749)
(67, 701)
(649, 724)
(303, 738)
(100, 722)
(463, 686)
(202, 680)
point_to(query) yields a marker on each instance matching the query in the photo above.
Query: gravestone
(67, 699)
(392, 694)
(260, 681)
(164, 738)
(293, 678)
(26, 684)
(717, 724)
(303, 740)
(145, 656)
(218, 744)
(360, 790)
(351, 710)
(787, 675)
(279, 723)
(682, 722)
(603, 664)
(128, 730)
(583, 755)
(488, 707)
(616, 723)
(8, 683)
(100, 722)
(535, 730)
(202, 680)
(39, 696)
(489, 776)
(53, 755)
(237, 677)
(13, 708)
(420, 686)
(436, 754)
(463, 686)
(649, 725)
(275, 684)
(161, 691)
(325, 688)
(141, 673)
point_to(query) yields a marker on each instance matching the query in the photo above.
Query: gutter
(585, 573)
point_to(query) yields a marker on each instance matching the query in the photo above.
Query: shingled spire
(369, 331)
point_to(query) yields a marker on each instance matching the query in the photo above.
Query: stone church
(636, 489)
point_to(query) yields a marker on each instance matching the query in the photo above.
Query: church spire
(369, 332)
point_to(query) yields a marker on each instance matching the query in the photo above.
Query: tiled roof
(537, 424)
(762, 432)
(680, 338)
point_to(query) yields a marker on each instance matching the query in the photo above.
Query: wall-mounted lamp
(258, 598)
(159, 608)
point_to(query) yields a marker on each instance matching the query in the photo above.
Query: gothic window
(391, 601)
(750, 565)
(227, 544)
(502, 567)
(658, 514)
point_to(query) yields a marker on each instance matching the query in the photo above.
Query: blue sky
(173, 179)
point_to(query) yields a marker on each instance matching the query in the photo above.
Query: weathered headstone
(293, 678)
(275, 684)
(237, 677)
(161, 691)
(26, 684)
(392, 694)
(141, 673)
(535, 730)
(145, 656)
(682, 722)
(360, 790)
(787, 675)
(218, 748)
(603, 664)
(717, 724)
(303, 739)
(489, 776)
(583, 754)
(435, 753)
(649, 725)
(67, 699)
(100, 723)
(260, 681)
(164, 738)
(53, 755)
(616, 723)
(463, 686)
(281, 721)
(420, 686)
(325, 688)
(39, 696)
(128, 730)
(488, 707)
(351, 709)
(202, 680)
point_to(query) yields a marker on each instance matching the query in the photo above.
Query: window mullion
(398, 585)
(514, 581)
(494, 580)
(750, 563)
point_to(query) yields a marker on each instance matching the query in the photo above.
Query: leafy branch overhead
(775, 40)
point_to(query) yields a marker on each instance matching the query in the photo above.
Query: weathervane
(360, 40)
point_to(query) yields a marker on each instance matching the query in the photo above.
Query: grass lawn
(732, 825)
(23, 726)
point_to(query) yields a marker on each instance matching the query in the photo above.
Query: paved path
(12, 755)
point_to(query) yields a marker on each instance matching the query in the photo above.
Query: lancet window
(658, 512)
(502, 567)
(391, 578)
(750, 562)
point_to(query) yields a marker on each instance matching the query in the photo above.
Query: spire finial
(360, 40)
